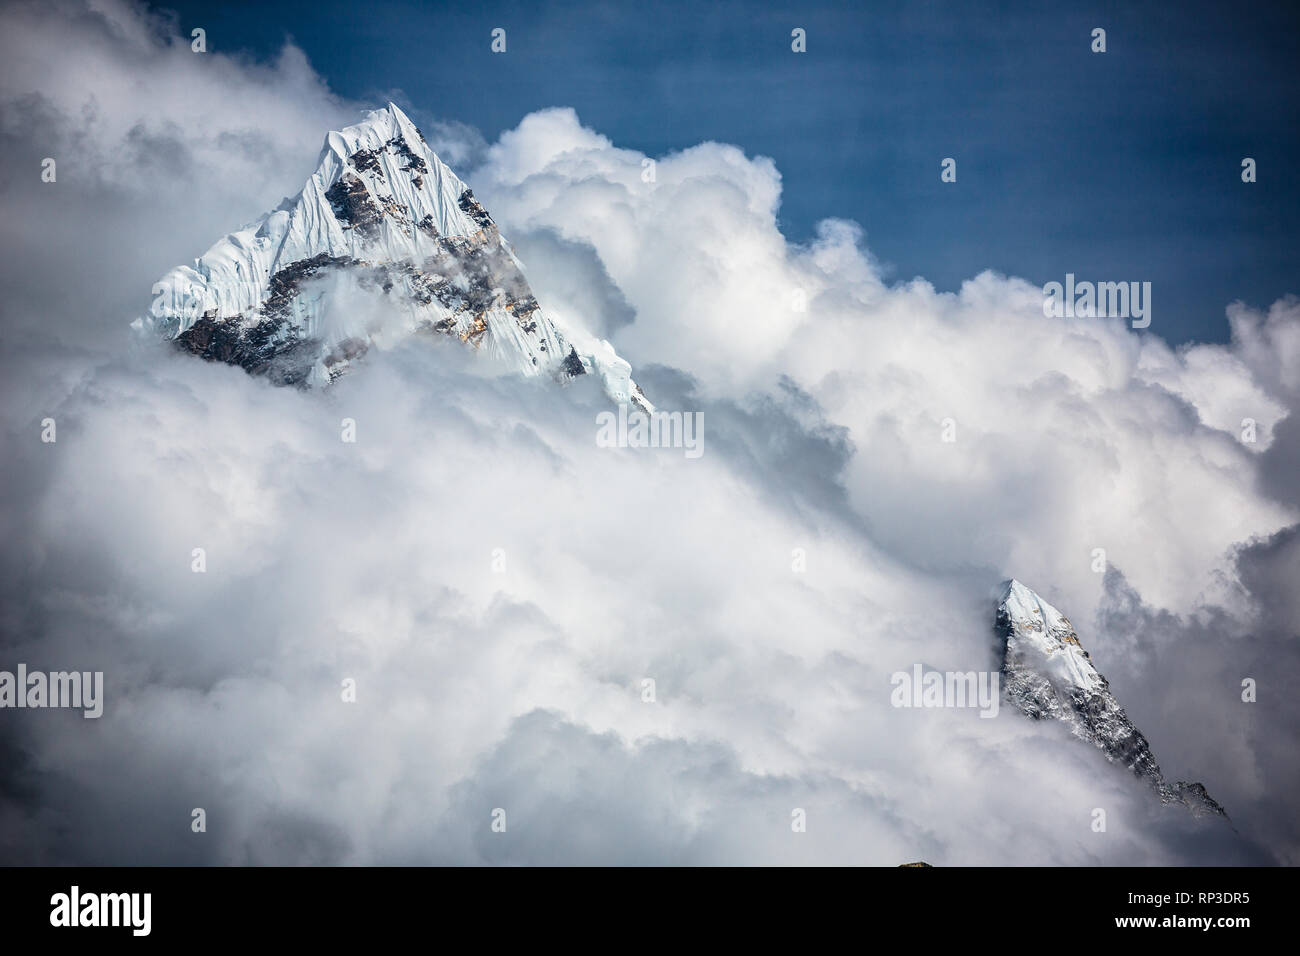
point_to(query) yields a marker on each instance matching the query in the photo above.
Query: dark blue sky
(1116, 166)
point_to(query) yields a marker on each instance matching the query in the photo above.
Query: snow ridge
(1047, 674)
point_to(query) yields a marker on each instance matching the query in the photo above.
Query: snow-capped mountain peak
(381, 214)
(1041, 633)
(1047, 674)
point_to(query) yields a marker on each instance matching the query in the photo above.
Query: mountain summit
(383, 241)
(1047, 674)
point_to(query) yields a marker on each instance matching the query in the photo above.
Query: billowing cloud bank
(499, 587)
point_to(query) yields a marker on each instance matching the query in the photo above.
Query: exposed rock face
(1047, 674)
(384, 215)
(474, 209)
(353, 206)
(264, 348)
(573, 364)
